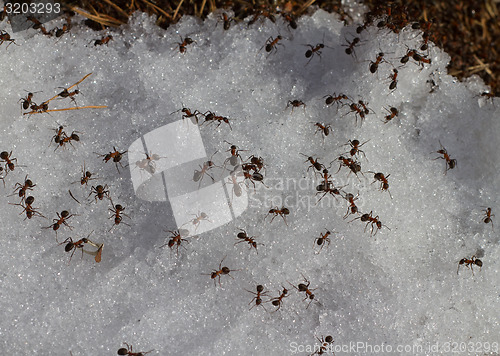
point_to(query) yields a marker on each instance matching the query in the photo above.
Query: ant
(227, 21)
(314, 163)
(257, 162)
(73, 245)
(305, 288)
(198, 175)
(5, 158)
(4, 36)
(86, 176)
(60, 134)
(212, 117)
(28, 208)
(365, 108)
(324, 343)
(62, 218)
(272, 43)
(334, 98)
(199, 218)
(99, 192)
(378, 60)
(43, 107)
(129, 351)
(117, 211)
(260, 293)
(23, 188)
(384, 184)
(245, 238)
(416, 57)
(281, 212)
(295, 104)
(472, 261)
(488, 215)
(322, 188)
(65, 29)
(175, 240)
(350, 47)
(182, 46)
(279, 300)
(189, 114)
(369, 219)
(322, 240)
(352, 208)
(67, 94)
(450, 163)
(326, 178)
(324, 129)
(115, 155)
(256, 176)
(354, 166)
(355, 147)
(103, 40)
(221, 271)
(314, 50)
(393, 78)
(393, 112)
(357, 110)
(291, 21)
(67, 139)
(235, 153)
(26, 102)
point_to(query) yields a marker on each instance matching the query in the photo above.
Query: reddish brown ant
(227, 21)
(252, 177)
(473, 261)
(210, 116)
(394, 80)
(65, 28)
(357, 110)
(175, 240)
(315, 50)
(9, 162)
(291, 21)
(198, 175)
(354, 166)
(99, 192)
(334, 98)
(258, 296)
(249, 239)
(115, 155)
(86, 176)
(369, 219)
(384, 184)
(28, 208)
(67, 94)
(221, 271)
(305, 288)
(322, 240)
(60, 134)
(73, 245)
(43, 107)
(279, 212)
(450, 163)
(61, 220)
(416, 57)
(488, 215)
(257, 162)
(324, 129)
(188, 114)
(355, 147)
(365, 108)
(21, 189)
(279, 300)
(295, 104)
(352, 208)
(314, 163)
(378, 60)
(327, 189)
(129, 351)
(117, 211)
(324, 342)
(235, 154)
(272, 44)
(182, 45)
(26, 102)
(5, 37)
(67, 139)
(103, 41)
(393, 112)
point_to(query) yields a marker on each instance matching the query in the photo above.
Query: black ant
(129, 351)
(243, 237)
(450, 163)
(260, 293)
(472, 261)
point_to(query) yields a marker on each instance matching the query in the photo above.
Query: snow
(396, 287)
